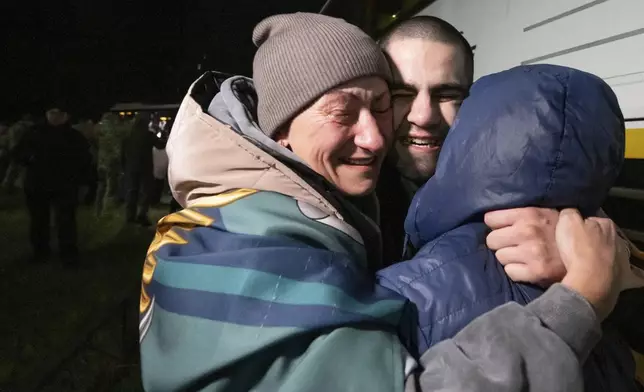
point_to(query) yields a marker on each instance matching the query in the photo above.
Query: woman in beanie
(254, 284)
(265, 281)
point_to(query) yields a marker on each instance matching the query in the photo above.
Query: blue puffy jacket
(538, 135)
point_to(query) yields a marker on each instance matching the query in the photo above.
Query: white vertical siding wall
(605, 37)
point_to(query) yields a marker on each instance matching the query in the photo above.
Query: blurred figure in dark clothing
(112, 132)
(160, 161)
(174, 204)
(5, 157)
(14, 176)
(139, 178)
(57, 159)
(87, 128)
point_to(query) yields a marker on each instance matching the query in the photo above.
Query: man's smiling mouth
(421, 141)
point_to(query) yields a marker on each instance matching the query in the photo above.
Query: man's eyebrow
(451, 86)
(403, 87)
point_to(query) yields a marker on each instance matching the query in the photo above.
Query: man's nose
(425, 111)
(369, 136)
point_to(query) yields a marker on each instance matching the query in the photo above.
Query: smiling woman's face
(345, 134)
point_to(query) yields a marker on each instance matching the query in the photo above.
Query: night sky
(91, 54)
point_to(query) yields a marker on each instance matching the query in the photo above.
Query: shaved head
(432, 29)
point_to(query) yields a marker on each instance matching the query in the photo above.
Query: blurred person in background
(57, 158)
(160, 161)
(174, 204)
(88, 129)
(15, 171)
(139, 179)
(5, 157)
(112, 132)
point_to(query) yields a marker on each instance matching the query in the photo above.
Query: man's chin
(418, 177)
(418, 172)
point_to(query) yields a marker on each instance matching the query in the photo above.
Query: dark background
(91, 54)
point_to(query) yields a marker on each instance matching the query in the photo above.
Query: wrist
(595, 290)
(569, 315)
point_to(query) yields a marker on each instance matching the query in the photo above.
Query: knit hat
(301, 56)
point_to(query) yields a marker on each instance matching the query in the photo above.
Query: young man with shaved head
(433, 68)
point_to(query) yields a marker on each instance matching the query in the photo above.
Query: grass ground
(63, 328)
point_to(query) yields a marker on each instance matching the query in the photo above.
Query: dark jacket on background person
(137, 147)
(56, 157)
(543, 136)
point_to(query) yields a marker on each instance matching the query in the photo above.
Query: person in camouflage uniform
(112, 131)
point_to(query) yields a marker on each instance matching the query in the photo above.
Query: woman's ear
(281, 137)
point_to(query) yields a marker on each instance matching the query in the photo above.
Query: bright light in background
(394, 16)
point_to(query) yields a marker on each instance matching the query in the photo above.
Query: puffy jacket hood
(538, 135)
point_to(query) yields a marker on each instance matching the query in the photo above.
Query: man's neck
(410, 187)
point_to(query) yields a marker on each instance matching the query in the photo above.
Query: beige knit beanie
(301, 56)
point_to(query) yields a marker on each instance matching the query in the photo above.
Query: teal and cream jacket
(265, 281)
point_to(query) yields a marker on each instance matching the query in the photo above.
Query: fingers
(569, 227)
(519, 273)
(531, 263)
(512, 259)
(535, 215)
(578, 238)
(570, 222)
(510, 255)
(571, 216)
(572, 219)
(501, 238)
(604, 224)
(588, 249)
(512, 236)
(502, 218)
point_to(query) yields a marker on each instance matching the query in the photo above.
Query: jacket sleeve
(540, 346)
